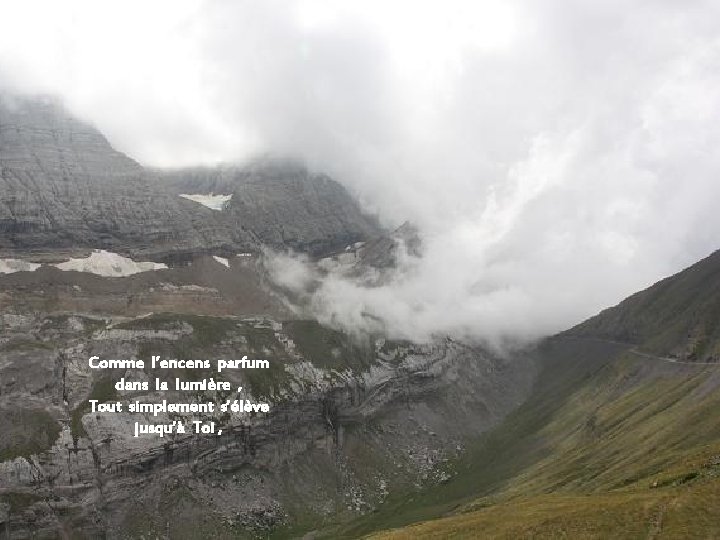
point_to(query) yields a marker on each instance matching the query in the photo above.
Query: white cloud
(556, 156)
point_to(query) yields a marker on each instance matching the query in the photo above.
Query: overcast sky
(557, 155)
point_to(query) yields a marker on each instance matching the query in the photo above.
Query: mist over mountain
(555, 158)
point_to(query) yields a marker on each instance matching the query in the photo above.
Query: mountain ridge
(62, 185)
(677, 317)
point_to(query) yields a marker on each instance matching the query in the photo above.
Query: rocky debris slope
(376, 261)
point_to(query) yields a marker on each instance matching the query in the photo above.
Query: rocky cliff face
(352, 424)
(282, 203)
(63, 186)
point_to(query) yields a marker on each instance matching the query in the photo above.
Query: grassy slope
(632, 450)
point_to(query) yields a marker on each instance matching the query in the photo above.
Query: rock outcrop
(283, 203)
(62, 185)
(346, 429)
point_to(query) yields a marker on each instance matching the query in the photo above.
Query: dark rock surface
(282, 202)
(62, 185)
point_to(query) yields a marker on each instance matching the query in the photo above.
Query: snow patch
(170, 287)
(212, 201)
(108, 264)
(8, 266)
(222, 260)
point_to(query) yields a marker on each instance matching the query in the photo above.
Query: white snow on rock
(222, 260)
(212, 201)
(108, 264)
(8, 266)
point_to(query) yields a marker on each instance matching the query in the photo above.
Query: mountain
(354, 419)
(610, 429)
(62, 185)
(620, 436)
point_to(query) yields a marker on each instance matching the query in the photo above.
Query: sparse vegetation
(26, 432)
(206, 343)
(27, 345)
(103, 390)
(328, 348)
(207, 330)
(19, 501)
(267, 382)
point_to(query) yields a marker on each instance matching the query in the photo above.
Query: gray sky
(557, 155)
